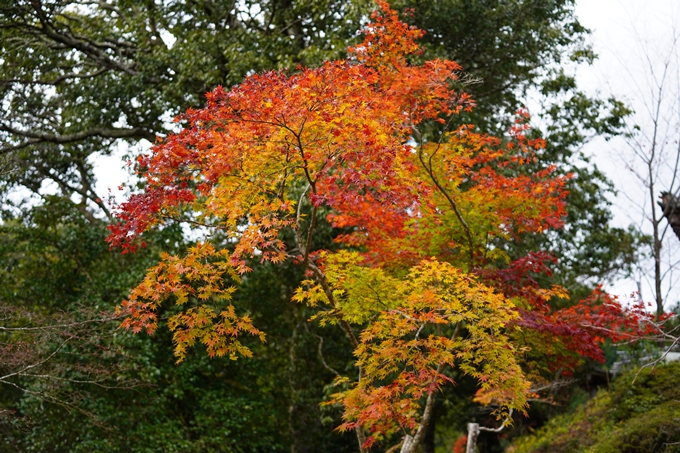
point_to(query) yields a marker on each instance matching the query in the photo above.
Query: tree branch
(35, 138)
(58, 80)
(89, 48)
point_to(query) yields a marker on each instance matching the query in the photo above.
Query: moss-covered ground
(640, 414)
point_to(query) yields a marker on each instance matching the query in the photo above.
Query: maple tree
(425, 204)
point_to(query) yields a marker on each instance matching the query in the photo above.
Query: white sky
(633, 38)
(630, 37)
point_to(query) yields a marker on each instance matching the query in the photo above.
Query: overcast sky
(634, 40)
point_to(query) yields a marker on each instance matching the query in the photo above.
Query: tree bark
(473, 433)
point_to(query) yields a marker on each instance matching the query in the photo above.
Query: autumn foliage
(373, 145)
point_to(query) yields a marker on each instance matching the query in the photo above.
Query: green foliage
(149, 404)
(195, 408)
(641, 413)
(505, 45)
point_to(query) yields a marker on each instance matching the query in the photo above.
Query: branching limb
(320, 352)
(410, 443)
(95, 51)
(505, 423)
(35, 138)
(429, 169)
(58, 80)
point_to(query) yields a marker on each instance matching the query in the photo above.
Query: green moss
(641, 414)
(651, 431)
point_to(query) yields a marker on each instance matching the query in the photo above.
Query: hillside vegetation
(637, 415)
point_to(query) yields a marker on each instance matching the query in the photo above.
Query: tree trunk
(473, 433)
(427, 445)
